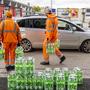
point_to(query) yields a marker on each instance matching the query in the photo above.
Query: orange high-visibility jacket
(9, 31)
(51, 27)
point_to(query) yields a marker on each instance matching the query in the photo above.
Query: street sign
(54, 10)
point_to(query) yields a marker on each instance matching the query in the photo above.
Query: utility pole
(83, 13)
(51, 4)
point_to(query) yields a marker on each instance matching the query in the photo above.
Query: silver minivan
(71, 35)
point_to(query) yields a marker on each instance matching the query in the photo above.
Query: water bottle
(48, 81)
(1, 53)
(22, 84)
(52, 48)
(60, 81)
(72, 82)
(48, 70)
(57, 43)
(30, 83)
(48, 48)
(11, 82)
(79, 74)
(30, 65)
(55, 73)
(39, 80)
(19, 52)
(66, 73)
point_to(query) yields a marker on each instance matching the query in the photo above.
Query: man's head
(8, 14)
(48, 11)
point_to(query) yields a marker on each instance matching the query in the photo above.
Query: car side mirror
(74, 28)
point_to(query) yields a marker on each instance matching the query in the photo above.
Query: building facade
(18, 9)
(76, 14)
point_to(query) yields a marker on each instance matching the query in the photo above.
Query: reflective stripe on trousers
(10, 52)
(45, 55)
(50, 30)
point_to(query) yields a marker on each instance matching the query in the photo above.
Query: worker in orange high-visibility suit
(10, 37)
(51, 36)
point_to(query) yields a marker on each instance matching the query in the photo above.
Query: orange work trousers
(46, 55)
(9, 54)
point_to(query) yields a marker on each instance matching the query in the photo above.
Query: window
(39, 23)
(75, 28)
(21, 23)
(32, 23)
(28, 23)
(62, 25)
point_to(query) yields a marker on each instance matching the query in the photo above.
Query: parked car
(71, 35)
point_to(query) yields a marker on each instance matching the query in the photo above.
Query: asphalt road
(73, 58)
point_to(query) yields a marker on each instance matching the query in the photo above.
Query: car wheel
(26, 44)
(85, 47)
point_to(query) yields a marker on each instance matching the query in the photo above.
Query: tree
(36, 9)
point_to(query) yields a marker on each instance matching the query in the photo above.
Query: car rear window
(32, 23)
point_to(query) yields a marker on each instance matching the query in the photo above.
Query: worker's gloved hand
(48, 40)
(53, 40)
(19, 44)
(0, 43)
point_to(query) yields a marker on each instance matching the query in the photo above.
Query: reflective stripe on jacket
(51, 26)
(9, 31)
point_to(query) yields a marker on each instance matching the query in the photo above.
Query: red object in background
(1, 10)
(21, 12)
(13, 11)
(74, 13)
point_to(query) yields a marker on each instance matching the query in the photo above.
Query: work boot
(44, 63)
(8, 68)
(12, 67)
(62, 59)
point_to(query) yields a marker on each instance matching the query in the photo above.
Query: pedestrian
(10, 36)
(51, 36)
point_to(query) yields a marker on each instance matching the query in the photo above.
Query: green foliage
(36, 9)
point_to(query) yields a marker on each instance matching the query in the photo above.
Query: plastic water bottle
(56, 72)
(48, 81)
(60, 81)
(49, 70)
(57, 43)
(79, 74)
(39, 81)
(11, 82)
(30, 83)
(48, 48)
(52, 48)
(19, 52)
(19, 60)
(1, 53)
(66, 73)
(72, 82)
(22, 84)
(30, 66)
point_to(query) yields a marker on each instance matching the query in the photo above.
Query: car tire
(85, 46)
(26, 44)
